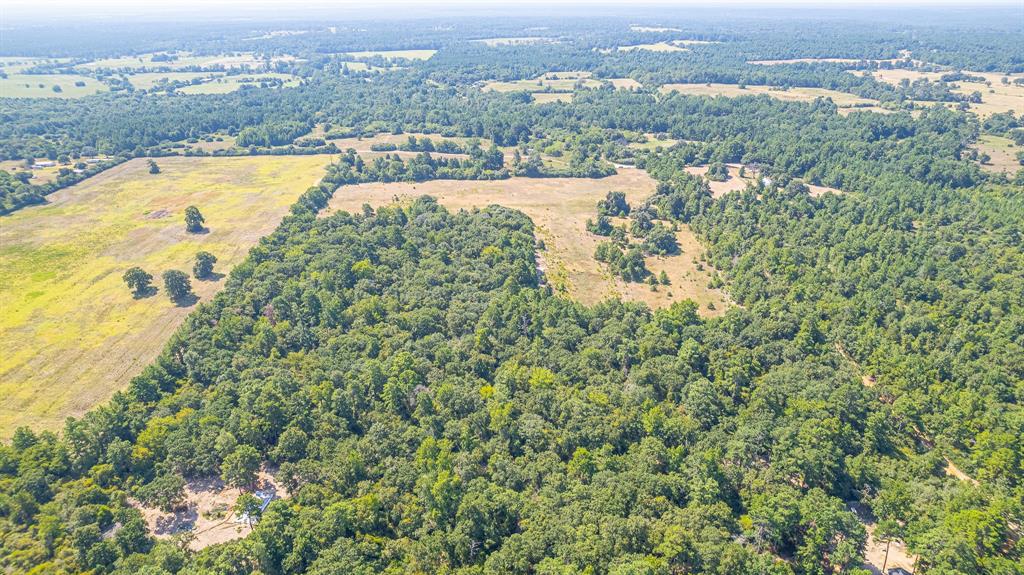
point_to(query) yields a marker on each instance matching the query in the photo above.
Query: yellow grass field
(656, 47)
(625, 83)
(235, 60)
(149, 80)
(560, 207)
(1003, 153)
(514, 41)
(553, 81)
(406, 54)
(996, 97)
(841, 99)
(71, 331)
(226, 84)
(41, 86)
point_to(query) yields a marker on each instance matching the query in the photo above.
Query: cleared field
(514, 41)
(655, 47)
(149, 80)
(16, 64)
(808, 61)
(735, 183)
(546, 97)
(996, 97)
(653, 143)
(560, 207)
(625, 83)
(42, 86)
(841, 99)
(227, 84)
(406, 54)
(653, 29)
(184, 60)
(71, 331)
(552, 81)
(1003, 154)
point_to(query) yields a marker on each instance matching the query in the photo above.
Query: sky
(12, 11)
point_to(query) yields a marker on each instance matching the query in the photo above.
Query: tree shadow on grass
(200, 232)
(186, 300)
(145, 293)
(212, 277)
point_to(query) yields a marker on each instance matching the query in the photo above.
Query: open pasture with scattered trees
(72, 331)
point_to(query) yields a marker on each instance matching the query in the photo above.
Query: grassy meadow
(71, 331)
(560, 207)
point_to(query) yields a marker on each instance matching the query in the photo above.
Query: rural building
(898, 571)
(46, 164)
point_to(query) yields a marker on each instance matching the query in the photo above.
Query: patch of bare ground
(207, 514)
(625, 83)
(732, 183)
(881, 555)
(559, 208)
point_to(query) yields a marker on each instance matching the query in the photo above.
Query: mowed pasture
(42, 86)
(560, 207)
(841, 99)
(71, 331)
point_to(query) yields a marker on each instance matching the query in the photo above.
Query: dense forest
(431, 405)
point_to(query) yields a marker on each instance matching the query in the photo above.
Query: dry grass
(234, 60)
(546, 97)
(207, 512)
(515, 41)
(1003, 153)
(41, 86)
(656, 47)
(71, 331)
(625, 83)
(560, 207)
(841, 99)
(653, 29)
(392, 54)
(718, 189)
(553, 81)
(996, 97)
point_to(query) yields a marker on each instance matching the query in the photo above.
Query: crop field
(841, 99)
(405, 54)
(42, 86)
(71, 331)
(560, 207)
(1003, 154)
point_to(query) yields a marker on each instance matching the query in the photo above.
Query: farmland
(560, 207)
(72, 332)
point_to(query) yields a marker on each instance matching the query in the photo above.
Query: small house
(897, 571)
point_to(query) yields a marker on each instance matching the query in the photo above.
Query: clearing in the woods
(71, 331)
(560, 207)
